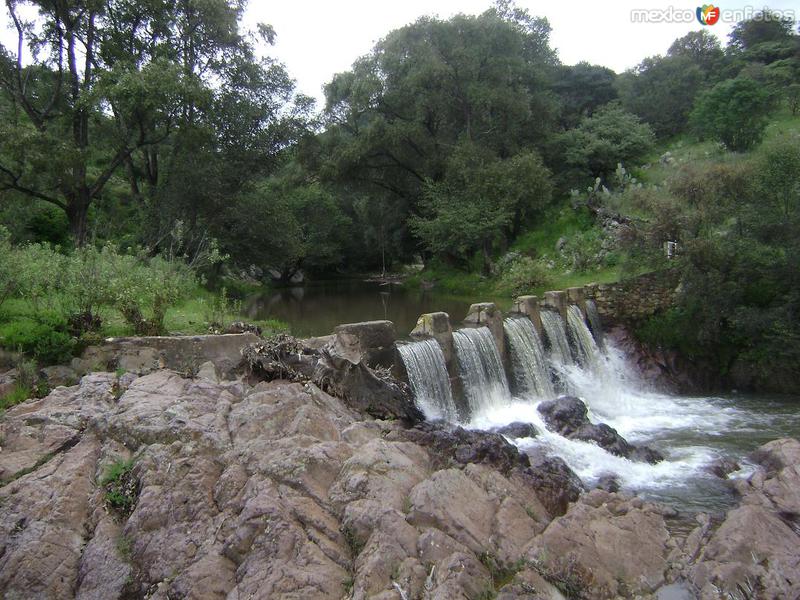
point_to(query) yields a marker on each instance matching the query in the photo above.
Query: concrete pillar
(529, 306)
(436, 325)
(370, 341)
(487, 314)
(557, 300)
(576, 296)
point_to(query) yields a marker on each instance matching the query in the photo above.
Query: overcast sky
(317, 38)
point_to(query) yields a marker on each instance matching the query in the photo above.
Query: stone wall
(634, 299)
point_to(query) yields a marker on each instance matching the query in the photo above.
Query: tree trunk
(78, 216)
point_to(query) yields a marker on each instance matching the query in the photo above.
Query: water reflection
(315, 309)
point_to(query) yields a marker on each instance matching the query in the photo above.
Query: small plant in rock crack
(121, 487)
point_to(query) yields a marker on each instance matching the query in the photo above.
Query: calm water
(315, 309)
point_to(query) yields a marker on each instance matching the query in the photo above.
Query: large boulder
(607, 546)
(568, 416)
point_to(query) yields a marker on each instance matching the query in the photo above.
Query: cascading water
(481, 370)
(587, 353)
(529, 364)
(690, 432)
(557, 337)
(430, 383)
(593, 316)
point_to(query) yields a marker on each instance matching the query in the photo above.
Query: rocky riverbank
(169, 486)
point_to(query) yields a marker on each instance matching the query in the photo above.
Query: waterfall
(594, 323)
(481, 369)
(430, 383)
(530, 369)
(587, 353)
(556, 337)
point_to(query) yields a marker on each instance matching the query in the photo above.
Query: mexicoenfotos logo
(708, 14)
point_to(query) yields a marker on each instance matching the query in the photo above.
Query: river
(690, 431)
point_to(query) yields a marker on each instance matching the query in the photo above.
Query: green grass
(121, 487)
(19, 394)
(688, 150)
(562, 221)
(189, 317)
(452, 281)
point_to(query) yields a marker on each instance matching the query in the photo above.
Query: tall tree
(117, 87)
(395, 117)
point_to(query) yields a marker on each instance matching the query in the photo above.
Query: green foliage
(221, 309)
(661, 90)
(479, 201)
(40, 340)
(121, 487)
(522, 276)
(778, 165)
(582, 89)
(144, 289)
(734, 112)
(764, 27)
(600, 142)
(17, 395)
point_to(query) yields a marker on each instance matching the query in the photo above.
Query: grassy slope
(562, 221)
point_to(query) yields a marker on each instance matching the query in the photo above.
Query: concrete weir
(438, 325)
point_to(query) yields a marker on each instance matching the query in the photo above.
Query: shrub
(734, 112)
(221, 309)
(44, 341)
(143, 289)
(586, 251)
(522, 275)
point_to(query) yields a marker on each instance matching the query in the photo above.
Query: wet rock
(517, 430)
(722, 467)
(337, 368)
(555, 483)
(568, 416)
(462, 446)
(564, 415)
(754, 550)
(608, 482)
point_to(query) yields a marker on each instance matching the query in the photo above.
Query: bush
(43, 341)
(587, 251)
(522, 275)
(143, 289)
(733, 112)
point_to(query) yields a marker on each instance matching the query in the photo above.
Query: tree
(395, 118)
(734, 112)
(702, 47)
(763, 28)
(479, 202)
(120, 87)
(60, 146)
(600, 142)
(661, 90)
(582, 89)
